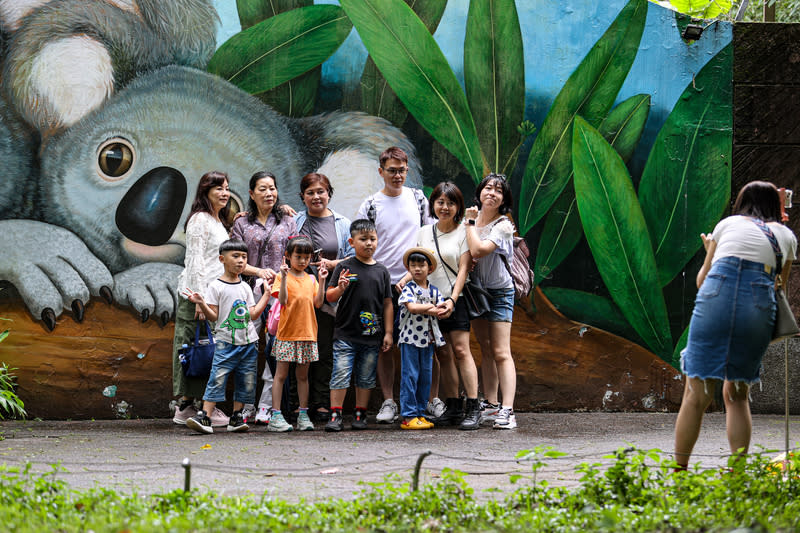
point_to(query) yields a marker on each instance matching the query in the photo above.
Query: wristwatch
(471, 221)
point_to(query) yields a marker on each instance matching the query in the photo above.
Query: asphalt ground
(145, 456)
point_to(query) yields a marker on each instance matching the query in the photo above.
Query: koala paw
(150, 289)
(51, 268)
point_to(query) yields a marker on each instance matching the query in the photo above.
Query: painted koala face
(124, 177)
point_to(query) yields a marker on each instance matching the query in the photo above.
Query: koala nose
(150, 210)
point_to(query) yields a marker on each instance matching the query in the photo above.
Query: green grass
(638, 492)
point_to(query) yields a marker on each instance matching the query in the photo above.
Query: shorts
(354, 359)
(458, 321)
(240, 360)
(501, 306)
(295, 351)
(732, 322)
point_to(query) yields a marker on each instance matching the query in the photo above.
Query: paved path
(146, 455)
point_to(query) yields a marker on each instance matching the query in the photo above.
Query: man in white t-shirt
(398, 212)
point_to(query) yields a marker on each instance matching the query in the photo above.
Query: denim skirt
(732, 322)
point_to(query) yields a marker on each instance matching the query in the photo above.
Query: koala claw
(150, 289)
(49, 318)
(77, 310)
(106, 294)
(165, 316)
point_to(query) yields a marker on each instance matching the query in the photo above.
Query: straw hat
(419, 250)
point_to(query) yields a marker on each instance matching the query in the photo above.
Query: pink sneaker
(181, 417)
(218, 418)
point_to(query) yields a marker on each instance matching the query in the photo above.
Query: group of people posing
(348, 293)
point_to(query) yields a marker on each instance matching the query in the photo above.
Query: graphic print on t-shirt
(238, 318)
(370, 322)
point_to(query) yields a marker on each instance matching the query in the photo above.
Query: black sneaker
(200, 423)
(335, 423)
(359, 420)
(236, 422)
(472, 412)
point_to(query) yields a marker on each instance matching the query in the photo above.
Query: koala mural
(116, 170)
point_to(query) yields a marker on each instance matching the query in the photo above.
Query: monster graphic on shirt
(370, 323)
(238, 318)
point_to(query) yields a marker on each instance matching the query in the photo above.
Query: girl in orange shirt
(296, 340)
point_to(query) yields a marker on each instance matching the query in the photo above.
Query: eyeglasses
(396, 171)
(492, 175)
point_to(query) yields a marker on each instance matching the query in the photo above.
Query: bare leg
(337, 397)
(237, 406)
(362, 397)
(301, 374)
(208, 407)
(488, 368)
(737, 416)
(459, 340)
(281, 373)
(386, 373)
(500, 337)
(448, 375)
(696, 399)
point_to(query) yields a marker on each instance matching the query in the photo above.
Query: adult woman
(733, 316)
(266, 230)
(329, 231)
(448, 239)
(490, 235)
(206, 228)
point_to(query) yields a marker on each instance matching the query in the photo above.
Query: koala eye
(115, 158)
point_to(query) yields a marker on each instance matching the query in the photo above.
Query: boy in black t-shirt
(363, 326)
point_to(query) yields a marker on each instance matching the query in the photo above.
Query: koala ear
(12, 11)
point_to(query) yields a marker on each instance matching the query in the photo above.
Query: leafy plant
(10, 404)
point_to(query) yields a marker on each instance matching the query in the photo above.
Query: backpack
(418, 194)
(520, 268)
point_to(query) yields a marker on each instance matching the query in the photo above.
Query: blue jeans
(352, 358)
(501, 305)
(242, 361)
(415, 379)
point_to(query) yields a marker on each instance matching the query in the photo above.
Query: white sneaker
(436, 408)
(388, 412)
(489, 412)
(248, 412)
(218, 418)
(505, 419)
(263, 415)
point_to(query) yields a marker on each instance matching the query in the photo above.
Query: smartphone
(787, 198)
(316, 255)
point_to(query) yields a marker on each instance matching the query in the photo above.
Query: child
(419, 332)
(363, 325)
(230, 304)
(296, 339)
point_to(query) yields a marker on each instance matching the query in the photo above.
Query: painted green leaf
(419, 74)
(281, 48)
(590, 91)
(676, 354)
(377, 98)
(686, 183)
(562, 231)
(3, 335)
(617, 235)
(251, 12)
(705, 9)
(494, 77)
(591, 309)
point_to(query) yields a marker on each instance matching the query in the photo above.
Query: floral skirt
(295, 351)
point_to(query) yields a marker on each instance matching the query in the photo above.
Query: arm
(211, 311)
(283, 295)
(710, 245)
(421, 309)
(388, 321)
(402, 283)
(319, 298)
(334, 293)
(257, 309)
(477, 247)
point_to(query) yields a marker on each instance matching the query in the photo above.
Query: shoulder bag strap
(263, 246)
(439, 253)
(420, 197)
(774, 243)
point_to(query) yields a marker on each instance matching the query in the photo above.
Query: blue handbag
(196, 358)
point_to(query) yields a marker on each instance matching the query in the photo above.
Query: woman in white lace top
(206, 228)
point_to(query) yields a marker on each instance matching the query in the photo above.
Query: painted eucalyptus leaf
(591, 309)
(590, 91)
(377, 98)
(686, 182)
(251, 12)
(281, 48)
(417, 71)
(676, 354)
(494, 78)
(562, 230)
(617, 235)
